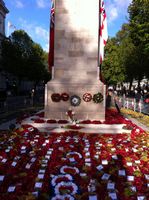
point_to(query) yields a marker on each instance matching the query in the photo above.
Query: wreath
(64, 96)
(61, 177)
(56, 97)
(66, 188)
(63, 197)
(87, 97)
(98, 98)
(75, 100)
(69, 170)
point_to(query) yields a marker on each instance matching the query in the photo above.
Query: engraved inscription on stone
(75, 44)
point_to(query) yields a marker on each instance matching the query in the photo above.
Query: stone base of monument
(82, 128)
(85, 110)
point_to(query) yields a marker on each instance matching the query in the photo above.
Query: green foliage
(112, 69)
(24, 58)
(127, 54)
(139, 33)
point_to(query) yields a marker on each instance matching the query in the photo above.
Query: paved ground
(8, 118)
(6, 125)
(138, 123)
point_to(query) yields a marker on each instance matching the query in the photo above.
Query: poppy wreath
(75, 100)
(87, 97)
(56, 97)
(98, 98)
(64, 96)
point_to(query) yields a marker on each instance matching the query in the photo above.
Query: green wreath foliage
(98, 98)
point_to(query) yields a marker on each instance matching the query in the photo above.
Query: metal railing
(20, 102)
(131, 103)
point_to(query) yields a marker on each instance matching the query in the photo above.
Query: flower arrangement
(65, 96)
(75, 100)
(66, 188)
(98, 98)
(61, 177)
(87, 97)
(70, 113)
(63, 197)
(68, 169)
(56, 97)
(30, 161)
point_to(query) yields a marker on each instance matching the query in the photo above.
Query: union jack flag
(102, 30)
(103, 36)
(52, 14)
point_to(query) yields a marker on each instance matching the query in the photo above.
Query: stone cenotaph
(76, 71)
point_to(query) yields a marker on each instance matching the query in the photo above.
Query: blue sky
(33, 17)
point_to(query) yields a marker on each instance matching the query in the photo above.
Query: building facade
(3, 12)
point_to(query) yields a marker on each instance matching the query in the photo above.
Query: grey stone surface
(76, 59)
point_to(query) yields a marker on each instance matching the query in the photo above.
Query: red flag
(103, 36)
(103, 33)
(51, 45)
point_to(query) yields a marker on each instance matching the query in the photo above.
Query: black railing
(20, 102)
(131, 103)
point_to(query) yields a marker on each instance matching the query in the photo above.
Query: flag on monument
(51, 44)
(10, 25)
(103, 30)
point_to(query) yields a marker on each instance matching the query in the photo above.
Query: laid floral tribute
(73, 165)
(75, 100)
(56, 97)
(98, 98)
(87, 97)
(65, 96)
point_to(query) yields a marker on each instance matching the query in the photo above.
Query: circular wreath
(68, 187)
(98, 98)
(63, 197)
(87, 97)
(73, 154)
(75, 100)
(56, 97)
(69, 170)
(64, 96)
(61, 177)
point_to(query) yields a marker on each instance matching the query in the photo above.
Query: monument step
(82, 128)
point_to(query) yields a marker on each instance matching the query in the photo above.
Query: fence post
(123, 101)
(140, 106)
(127, 103)
(134, 104)
(120, 101)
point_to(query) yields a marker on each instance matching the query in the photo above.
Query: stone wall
(76, 59)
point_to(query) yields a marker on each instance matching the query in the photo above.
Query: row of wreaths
(75, 100)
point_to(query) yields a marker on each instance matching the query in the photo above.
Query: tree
(123, 60)
(24, 58)
(37, 61)
(139, 26)
(113, 71)
(127, 54)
